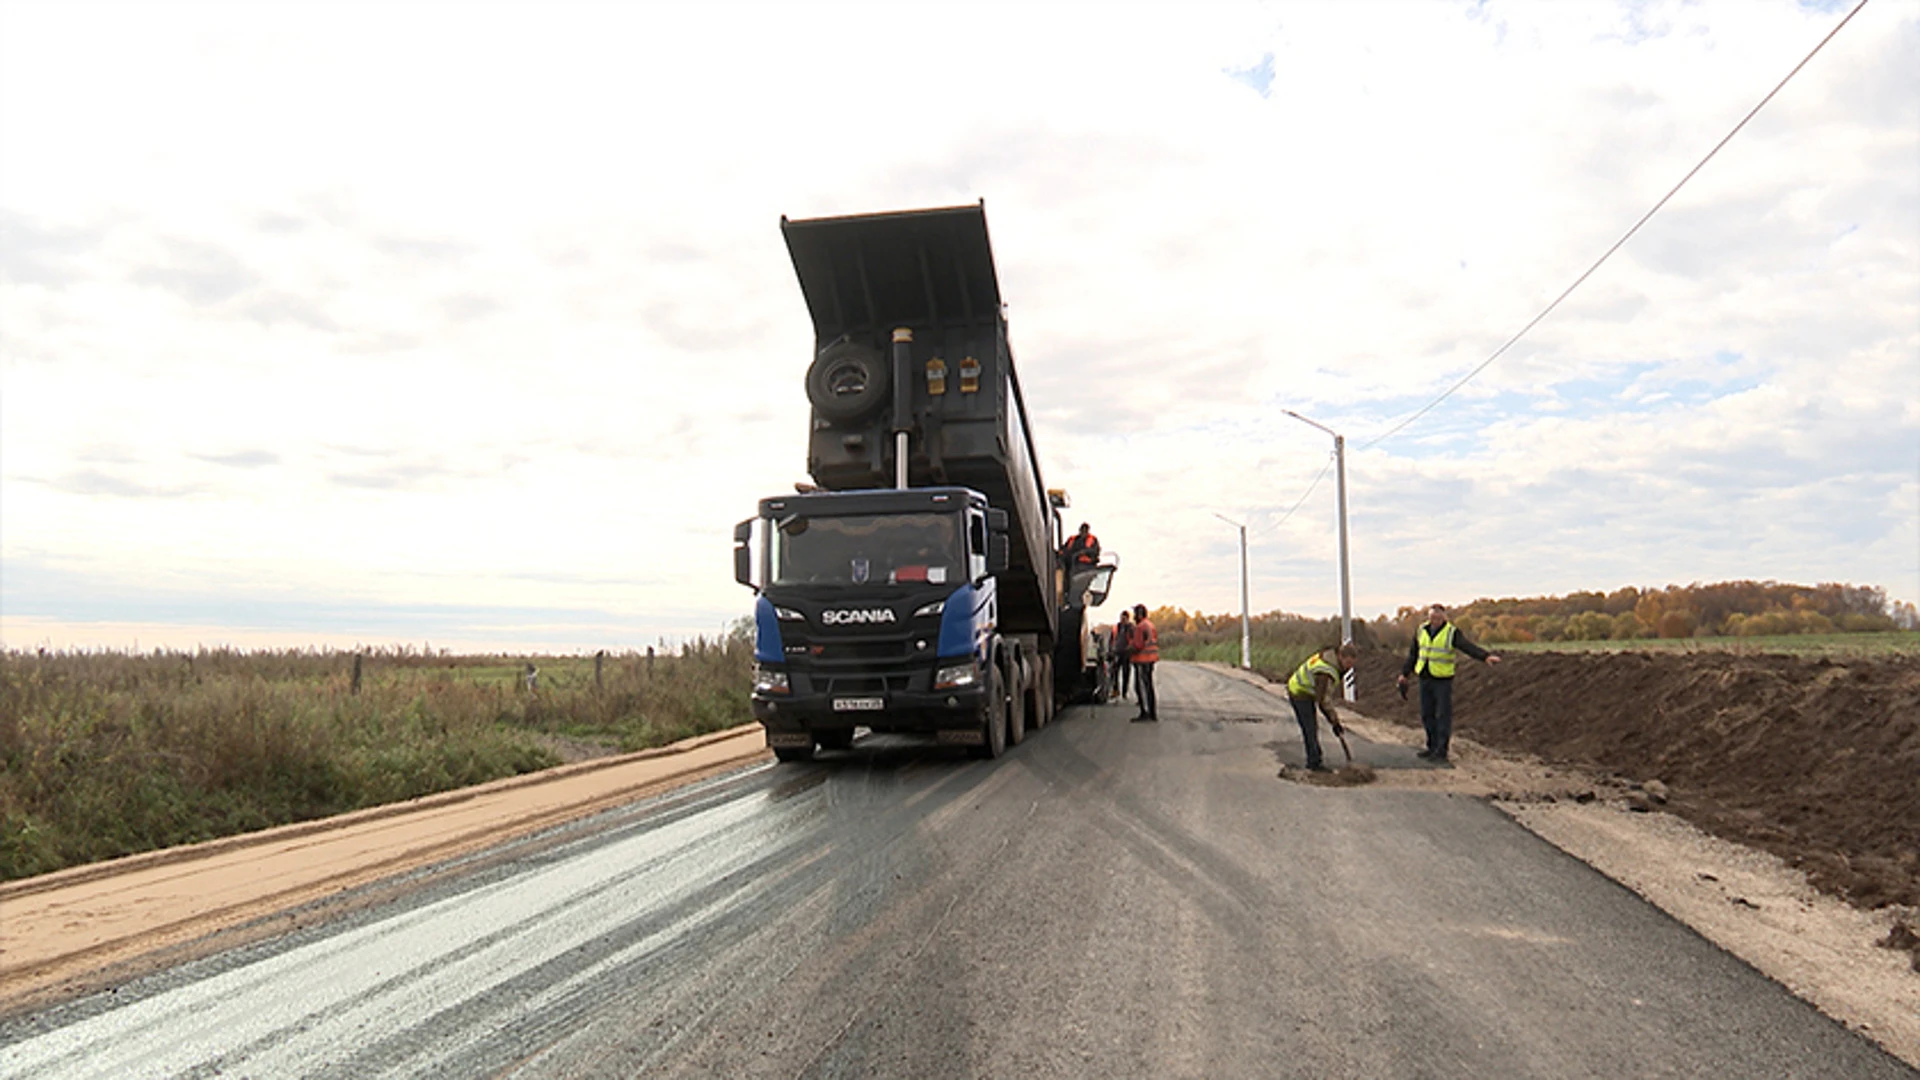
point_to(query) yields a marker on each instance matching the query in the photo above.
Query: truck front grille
(865, 685)
(845, 652)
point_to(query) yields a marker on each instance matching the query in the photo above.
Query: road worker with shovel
(1314, 684)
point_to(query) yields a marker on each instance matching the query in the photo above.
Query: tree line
(1721, 609)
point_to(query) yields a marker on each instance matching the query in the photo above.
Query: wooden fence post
(649, 663)
(599, 660)
(356, 675)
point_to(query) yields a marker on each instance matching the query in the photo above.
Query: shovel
(1341, 734)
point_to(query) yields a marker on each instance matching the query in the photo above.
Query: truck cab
(876, 608)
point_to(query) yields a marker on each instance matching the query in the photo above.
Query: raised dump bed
(948, 382)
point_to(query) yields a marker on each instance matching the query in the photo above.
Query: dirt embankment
(1814, 759)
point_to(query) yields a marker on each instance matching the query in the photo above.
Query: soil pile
(1816, 759)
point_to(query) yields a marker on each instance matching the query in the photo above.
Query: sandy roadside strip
(1747, 902)
(57, 929)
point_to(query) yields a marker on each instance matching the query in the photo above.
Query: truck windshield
(875, 549)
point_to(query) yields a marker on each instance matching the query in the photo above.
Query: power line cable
(1618, 244)
(1297, 503)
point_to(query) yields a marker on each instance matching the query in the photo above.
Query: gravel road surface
(1110, 899)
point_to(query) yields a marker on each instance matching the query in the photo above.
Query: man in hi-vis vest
(1314, 684)
(1431, 656)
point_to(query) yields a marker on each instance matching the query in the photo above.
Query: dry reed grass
(110, 753)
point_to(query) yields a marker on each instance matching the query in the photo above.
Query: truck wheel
(793, 753)
(1043, 695)
(834, 740)
(848, 380)
(993, 718)
(1017, 717)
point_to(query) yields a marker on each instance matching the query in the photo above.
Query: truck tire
(1016, 715)
(993, 718)
(848, 380)
(1043, 695)
(793, 753)
(836, 739)
(1066, 685)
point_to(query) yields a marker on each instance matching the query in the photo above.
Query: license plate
(859, 704)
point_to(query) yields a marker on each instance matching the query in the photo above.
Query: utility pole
(1346, 580)
(1246, 635)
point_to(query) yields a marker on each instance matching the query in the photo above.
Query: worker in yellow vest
(1431, 656)
(1315, 683)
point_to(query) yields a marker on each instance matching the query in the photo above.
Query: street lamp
(1346, 587)
(1246, 639)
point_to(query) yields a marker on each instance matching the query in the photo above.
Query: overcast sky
(472, 325)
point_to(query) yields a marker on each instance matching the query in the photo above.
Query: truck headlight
(770, 681)
(788, 615)
(956, 676)
(934, 608)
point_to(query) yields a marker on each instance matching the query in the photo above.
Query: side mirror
(743, 553)
(997, 551)
(997, 521)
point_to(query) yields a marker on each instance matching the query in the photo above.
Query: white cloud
(489, 307)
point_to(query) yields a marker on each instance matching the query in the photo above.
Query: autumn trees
(1728, 608)
(1723, 609)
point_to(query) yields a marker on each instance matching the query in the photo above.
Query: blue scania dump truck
(916, 584)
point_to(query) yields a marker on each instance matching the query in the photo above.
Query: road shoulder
(77, 931)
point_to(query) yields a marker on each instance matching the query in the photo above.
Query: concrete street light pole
(1246, 636)
(1346, 583)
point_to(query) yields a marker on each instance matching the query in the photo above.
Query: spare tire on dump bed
(848, 380)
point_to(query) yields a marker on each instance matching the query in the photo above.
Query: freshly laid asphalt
(1110, 899)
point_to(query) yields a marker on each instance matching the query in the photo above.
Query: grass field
(1858, 644)
(107, 754)
(1277, 659)
(1277, 646)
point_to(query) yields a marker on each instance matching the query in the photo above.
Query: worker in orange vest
(1082, 548)
(1146, 653)
(1122, 652)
